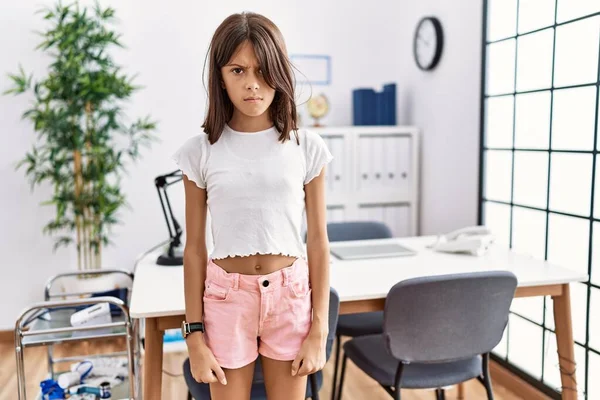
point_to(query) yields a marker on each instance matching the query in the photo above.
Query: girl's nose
(252, 82)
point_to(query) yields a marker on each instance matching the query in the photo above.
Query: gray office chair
(437, 331)
(201, 391)
(360, 324)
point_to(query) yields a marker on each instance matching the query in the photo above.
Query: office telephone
(471, 240)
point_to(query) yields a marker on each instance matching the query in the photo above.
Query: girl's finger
(220, 374)
(296, 364)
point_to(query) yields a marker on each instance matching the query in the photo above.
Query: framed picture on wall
(314, 68)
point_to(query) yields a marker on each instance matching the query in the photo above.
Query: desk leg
(461, 391)
(153, 360)
(565, 343)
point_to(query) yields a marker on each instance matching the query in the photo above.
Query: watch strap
(195, 327)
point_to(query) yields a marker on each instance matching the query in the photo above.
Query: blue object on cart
(51, 390)
(173, 335)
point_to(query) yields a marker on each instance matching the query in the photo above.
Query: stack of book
(374, 108)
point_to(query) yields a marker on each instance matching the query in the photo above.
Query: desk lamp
(162, 182)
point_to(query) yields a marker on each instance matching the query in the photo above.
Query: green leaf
(63, 241)
(22, 82)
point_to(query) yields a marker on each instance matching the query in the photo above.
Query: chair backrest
(357, 230)
(334, 312)
(447, 317)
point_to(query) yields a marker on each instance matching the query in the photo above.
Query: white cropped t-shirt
(255, 187)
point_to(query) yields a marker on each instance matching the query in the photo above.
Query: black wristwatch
(189, 327)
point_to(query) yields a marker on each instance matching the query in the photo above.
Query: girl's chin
(253, 111)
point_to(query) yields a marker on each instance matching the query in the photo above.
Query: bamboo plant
(82, 144)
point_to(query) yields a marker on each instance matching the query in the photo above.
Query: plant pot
(93, 284)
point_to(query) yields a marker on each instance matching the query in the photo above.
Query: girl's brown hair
(271, 53)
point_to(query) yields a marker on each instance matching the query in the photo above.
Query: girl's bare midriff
(258, 264)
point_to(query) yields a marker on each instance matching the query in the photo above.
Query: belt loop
(236, 281)
(286, 276)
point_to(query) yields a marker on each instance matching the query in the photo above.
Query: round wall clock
(428, 43)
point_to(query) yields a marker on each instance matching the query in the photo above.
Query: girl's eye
(236, 69)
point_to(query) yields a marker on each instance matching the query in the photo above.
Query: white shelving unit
(374, 176)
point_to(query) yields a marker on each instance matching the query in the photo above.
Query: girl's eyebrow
(239, 65)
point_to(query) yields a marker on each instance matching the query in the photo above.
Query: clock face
(428, 43)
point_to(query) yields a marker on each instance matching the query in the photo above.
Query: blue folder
(374, 108)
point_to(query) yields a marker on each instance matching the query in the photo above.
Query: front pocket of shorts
(215, 292)
(298, 303)
(300, 288)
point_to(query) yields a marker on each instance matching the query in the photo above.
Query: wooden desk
(362, 285)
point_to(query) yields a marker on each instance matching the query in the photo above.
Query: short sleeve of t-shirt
(317, 155)
(191, 158)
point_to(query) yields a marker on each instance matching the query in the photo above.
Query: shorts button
(265, 283)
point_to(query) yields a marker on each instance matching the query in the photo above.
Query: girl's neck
(250, 124)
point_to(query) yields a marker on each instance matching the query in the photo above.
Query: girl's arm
(195, 255)
(317, 244)
(203, 365)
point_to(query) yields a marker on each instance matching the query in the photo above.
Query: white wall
(369, 46)
(444, 104)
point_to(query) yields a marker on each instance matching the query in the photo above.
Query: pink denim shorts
(248, 315)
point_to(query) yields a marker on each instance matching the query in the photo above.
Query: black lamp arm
(162, 182)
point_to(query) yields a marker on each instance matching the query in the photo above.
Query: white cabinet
(336, 214)
(374, 175)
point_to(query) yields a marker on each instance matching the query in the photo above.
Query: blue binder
(388, 108)
(364, 107)
(372, 108)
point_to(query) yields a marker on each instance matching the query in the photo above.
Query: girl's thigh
(239, 383)
(280, 383)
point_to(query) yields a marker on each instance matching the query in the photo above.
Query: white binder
(402, 163)
(364, 162)
(390, 156)
(337, 165)
(377, 152)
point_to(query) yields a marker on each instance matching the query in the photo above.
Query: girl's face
(244, 82)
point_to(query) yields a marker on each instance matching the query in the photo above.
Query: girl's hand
(311, 357)
(203, 365)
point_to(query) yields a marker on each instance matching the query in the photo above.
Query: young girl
(256, 293)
